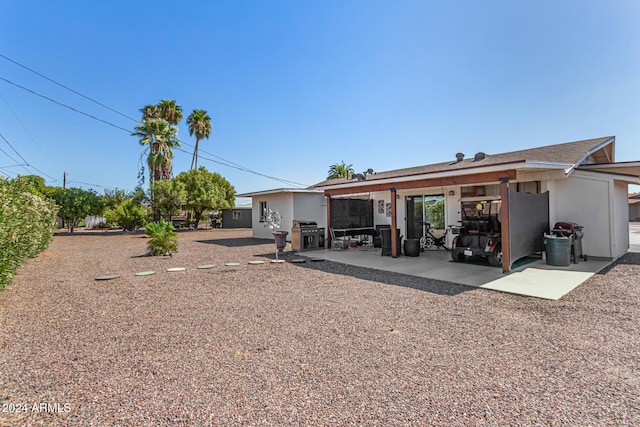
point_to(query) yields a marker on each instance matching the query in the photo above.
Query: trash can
(412, 247)
(558, 250)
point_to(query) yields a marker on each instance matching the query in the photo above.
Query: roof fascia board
(526, 164)
(588, 153)
(278, 191)
(584, 173)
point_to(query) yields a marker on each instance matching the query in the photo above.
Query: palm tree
(150, 111)
(340, 170)
(199, 124)
(169, 110)
(161, 137)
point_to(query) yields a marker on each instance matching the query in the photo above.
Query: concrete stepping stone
(232, 264)
(256, 262)
(172, 269)
(206, 266)
(108, 277)
(145, 273)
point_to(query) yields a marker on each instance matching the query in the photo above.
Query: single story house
(292, 204)
(238, 217)
(584, 184)
(634, 207)
(576, 182)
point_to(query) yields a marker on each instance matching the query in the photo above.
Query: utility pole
(64, 180)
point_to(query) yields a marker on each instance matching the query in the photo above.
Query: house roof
(565, 156)
(280, 191)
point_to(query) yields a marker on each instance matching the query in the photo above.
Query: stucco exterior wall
(283, 203)
(589, 200)
(621, 216)
(310, 207)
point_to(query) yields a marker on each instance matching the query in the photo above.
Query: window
(263, 211)
(237, 215)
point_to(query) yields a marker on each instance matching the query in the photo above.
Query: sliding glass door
(429, 208)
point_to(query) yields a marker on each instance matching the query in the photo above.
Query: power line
(23, 159)
(68, 88)
(64, 105)
(222, 162)
(26, 131)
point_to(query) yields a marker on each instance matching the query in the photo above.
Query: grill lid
(304, 224)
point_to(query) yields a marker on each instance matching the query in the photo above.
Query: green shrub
(127, 214)
(163, 238)
(27, 223)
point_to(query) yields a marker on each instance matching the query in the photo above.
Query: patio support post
(504, 227)
(327, 235)
(394, 225)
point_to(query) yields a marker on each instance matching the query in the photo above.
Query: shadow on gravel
(104, 233)
(236, 242)
(387, 277)
(630, 258)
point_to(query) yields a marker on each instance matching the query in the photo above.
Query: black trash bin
(385, 233)
(412, 247)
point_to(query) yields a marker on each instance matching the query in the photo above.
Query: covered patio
(534, 278)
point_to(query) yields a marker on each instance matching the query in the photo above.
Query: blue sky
(296, 86)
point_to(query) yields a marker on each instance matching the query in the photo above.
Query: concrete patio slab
(535, 278)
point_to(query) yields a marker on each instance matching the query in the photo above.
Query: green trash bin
(558, 250)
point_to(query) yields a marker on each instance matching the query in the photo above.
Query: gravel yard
(303, 344)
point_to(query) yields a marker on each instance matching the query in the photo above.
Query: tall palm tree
(161, 137)
(150, 111)
(340, 170)
(199, 124)
(169, 110)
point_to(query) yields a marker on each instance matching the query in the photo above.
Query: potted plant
(273, 221)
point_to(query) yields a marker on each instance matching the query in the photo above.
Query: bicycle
(429, 240)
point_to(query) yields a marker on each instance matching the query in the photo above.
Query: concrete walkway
(535, 279)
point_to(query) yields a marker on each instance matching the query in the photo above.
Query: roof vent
(479, 156)
(459, 157)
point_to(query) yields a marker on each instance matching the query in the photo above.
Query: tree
(199, 124)
(76, 203)
(161, 138)
(206, 191)
(126, 214)
(168, 197)
(340, 170)
(169, 110)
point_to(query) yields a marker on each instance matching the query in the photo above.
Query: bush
(27, 223)
(163, 238)
(126, 214)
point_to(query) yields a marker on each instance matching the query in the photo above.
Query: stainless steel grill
(305, 235)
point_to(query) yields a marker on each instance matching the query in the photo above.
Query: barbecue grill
(573, 230)
(305, 235)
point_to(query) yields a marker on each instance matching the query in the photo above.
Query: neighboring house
(583, 182)
(238, 217)
(291, 203)
(634, 207)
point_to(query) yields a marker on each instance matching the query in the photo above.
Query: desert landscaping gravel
(317, 343)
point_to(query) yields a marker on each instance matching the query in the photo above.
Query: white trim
(590, 152)
(278, 191)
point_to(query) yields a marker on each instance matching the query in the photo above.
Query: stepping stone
(204, 267)
(278, 261)
(176, 269)
(256, 262)
(108, 277)
(232, 264)
(145, 273)
(298, 260)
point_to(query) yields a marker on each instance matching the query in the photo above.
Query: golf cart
(480, 233)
